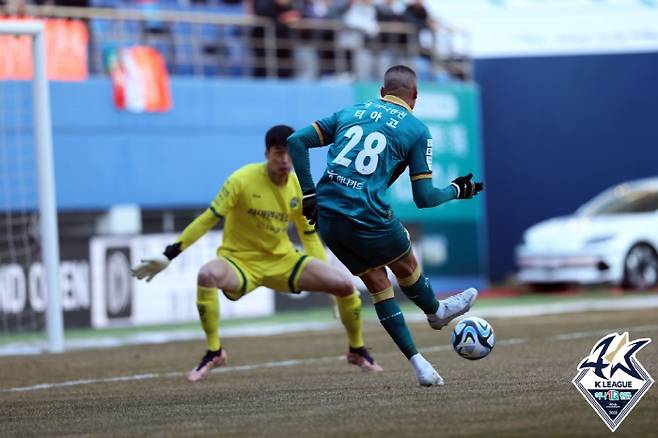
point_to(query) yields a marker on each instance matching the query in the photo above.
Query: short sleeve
(326, 129)
(420, 156)
(227, 197)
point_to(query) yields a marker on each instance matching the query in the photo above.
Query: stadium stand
(215, 38)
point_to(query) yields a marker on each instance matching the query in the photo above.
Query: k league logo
(611, 378)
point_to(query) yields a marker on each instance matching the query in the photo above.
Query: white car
(611, 239)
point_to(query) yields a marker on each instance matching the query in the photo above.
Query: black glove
(466, 188)
(310, 207)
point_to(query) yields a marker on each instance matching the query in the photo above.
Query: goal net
(29, 251)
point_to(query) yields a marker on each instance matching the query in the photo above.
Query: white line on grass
(142, 338)
(294, 362)
(594, 333)
(177, 374)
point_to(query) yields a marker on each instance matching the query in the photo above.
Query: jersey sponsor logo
(400, 114)
(294, 202)
(268, 214)
(611, 378)
(344, 180)
(428, 154)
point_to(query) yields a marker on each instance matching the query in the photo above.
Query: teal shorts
(363, 249)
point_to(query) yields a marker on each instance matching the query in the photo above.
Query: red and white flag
(140, 81)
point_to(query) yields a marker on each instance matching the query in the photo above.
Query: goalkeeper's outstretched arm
(151, 266)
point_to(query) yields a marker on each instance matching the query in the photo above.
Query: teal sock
(390, 316)
(422, 295)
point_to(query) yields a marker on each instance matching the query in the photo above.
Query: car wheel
(548, 287)
(641, 267)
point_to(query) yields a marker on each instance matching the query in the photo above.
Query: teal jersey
(371, 144)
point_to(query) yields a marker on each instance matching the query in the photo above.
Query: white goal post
(45, 176)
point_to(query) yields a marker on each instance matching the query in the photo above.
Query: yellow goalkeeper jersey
(257, 213)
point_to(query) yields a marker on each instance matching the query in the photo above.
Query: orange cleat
(210, 360)
(361, 358)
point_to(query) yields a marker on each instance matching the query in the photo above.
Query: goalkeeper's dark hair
(278, 136)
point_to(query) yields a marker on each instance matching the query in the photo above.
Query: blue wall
(182, 156)
(557, 131)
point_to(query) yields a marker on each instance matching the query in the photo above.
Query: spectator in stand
(13, 8)
(417, 15)
(317, 9)
(316, 57)
(360, 19)
(392, 44)
(283, 13)
(155, 32)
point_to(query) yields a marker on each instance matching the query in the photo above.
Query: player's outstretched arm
(466, 188)
(298, 145)
(419, 160)
(426, 195)
(151, 266)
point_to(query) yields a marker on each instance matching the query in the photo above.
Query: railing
(210, 44)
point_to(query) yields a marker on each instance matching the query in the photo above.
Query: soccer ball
(473, 338)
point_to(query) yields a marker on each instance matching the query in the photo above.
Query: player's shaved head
(400, 81)
(399, 77)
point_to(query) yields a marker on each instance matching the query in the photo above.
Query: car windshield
(620, 202)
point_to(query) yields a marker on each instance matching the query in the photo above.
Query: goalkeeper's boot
(425, 372)
(452, 307)
(210, 360)
(362, 359)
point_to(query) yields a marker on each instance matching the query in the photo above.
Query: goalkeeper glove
(466, 188)
(310, 207)
(152, 266)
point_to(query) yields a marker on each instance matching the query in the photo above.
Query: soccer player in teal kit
(371, 145)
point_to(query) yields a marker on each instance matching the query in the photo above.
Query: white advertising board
(119, 299)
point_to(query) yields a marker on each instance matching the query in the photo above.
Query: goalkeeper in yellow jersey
(257, 202)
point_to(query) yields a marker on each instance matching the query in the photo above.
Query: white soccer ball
(473, 338)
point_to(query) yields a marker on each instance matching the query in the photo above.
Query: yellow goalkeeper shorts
(280, 273)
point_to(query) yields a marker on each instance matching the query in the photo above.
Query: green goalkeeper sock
(418, 289)
(391, 318)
